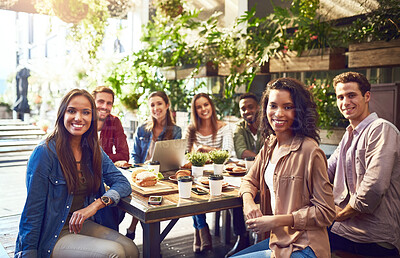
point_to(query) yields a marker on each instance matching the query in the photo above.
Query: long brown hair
(170, 120)
(196, 121)
(306, 115)
(89, 144)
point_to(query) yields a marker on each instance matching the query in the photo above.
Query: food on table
(230, 166)
(182, 172)
(146, 179)
(239, 169)
(136, 171)
(187, 165)
(122, 164)
(204, 180)
(241, 164)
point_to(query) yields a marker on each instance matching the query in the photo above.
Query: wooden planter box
(224, 69)
(311, 60)
(184, 72)
(332, 136)
(374, 54)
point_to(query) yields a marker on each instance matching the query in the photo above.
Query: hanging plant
(119, 8)
(88, 19)
(70, 11)
(170, 8)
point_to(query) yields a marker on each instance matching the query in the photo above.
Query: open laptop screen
(170, 154)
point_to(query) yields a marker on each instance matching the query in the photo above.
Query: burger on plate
(146, 179)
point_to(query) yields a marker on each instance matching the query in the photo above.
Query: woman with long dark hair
(206, 133)
(66, 198)
(296, 201)
(159, 127)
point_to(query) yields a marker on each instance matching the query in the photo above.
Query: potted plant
(331, 122)
(376, 34)
(219, 157)
(308, 42)
(198, 160)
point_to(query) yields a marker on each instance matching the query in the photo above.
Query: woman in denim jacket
(66, 201)
(159, 127)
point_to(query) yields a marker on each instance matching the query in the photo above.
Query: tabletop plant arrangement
(218, 157)
(198, 160)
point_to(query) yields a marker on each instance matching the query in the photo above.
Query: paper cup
(184, 186)
(197, 171)
(215, 182)
(154, 166)
(218, 168)
(249, 162)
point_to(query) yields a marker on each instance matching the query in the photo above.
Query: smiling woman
(289, 168)
(65, 183)
(78, 117)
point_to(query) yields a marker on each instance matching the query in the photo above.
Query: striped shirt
(223, 139)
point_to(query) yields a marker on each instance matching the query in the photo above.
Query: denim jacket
(48, 201)
(143, 139)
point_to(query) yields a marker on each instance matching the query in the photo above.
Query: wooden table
(173, 208)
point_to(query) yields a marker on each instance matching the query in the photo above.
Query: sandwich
(146, 179)
(182, 172)
(136, 171)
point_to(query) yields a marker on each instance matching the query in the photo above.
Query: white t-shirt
(269, 180)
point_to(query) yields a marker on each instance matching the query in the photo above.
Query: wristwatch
(105, 200)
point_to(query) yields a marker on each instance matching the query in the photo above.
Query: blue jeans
(199, 221)
(261, 250)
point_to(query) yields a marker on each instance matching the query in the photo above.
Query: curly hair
(306, 116)
(360, 79)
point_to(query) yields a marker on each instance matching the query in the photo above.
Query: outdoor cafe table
(173, 208)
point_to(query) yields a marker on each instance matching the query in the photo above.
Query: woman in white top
(206, 133)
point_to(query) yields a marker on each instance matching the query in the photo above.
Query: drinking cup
(184, 186)
(215, 182)
(154, 165)
(249, 162)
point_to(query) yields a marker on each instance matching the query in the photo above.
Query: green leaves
(325, 99)
(197, 159)
(219, 156)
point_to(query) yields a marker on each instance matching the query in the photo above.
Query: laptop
(170, 154)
